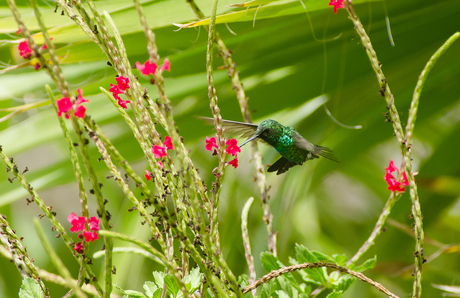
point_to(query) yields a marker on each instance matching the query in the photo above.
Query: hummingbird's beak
(255, 136)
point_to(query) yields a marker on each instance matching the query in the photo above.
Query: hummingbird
(294, 148)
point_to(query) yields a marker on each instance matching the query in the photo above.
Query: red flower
(37, 66)
(115, 90)
(147, 175)
(122, 82)
(77, 222)
(24, 50)
(168, 144)
(44, 47)
(80, 98)
(166, 66)
(210, 143)
(393, 184)
(80, 112)
(159, 151)
(336, 4)
(122, 103)
(232, 148)
(93, 223)
(79, 247)
(147, 68)
(234, 162)
(64, 105)
(90, 236)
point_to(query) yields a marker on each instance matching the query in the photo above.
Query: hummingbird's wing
(245, 130)
(281, 165)
(316, 150)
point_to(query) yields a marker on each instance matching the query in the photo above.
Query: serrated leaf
(344, 282)
(30, 288)
(267, 289)
(282, 294)
(334, 294)
(158, 293)
(193, 279)
(269, 261)
(323, 257)
(315, 275)
(150, 287)
(171, 285)
(340, 260)
(159, 278)
(368, 264)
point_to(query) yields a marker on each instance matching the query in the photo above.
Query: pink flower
(122, 82)
(24, 50)
(37, 66)
(77, 222)
(79, 247)
(147, 175)
(166, 66)
(336, 4)
(232, 148)
(147, 68)
(393, 184)
(80, 98)
(122, 103)
(115, 90)
(18, 32)
(90, 236)
(168, 144)
(158, 151)
(44, 47)
(160, 165)
(64, 106)
(80, 112)
(93, 223)
(234, 162)
(210, 143)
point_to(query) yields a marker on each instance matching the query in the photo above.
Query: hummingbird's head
(266, 131)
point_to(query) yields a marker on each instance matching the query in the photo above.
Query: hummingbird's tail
(325, 152)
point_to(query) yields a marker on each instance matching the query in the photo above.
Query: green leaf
(171, 285)
(344, 282)
(283, 294)
(368, 264)
(150, 287)
(269, 261)
(268, 289)
(323, 257)
(30, 288)
(134, 294)
(316, 275)
(193, 279)
(159, 276)
(340, 260)
(334, 294)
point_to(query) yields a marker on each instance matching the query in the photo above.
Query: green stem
(58, 264)
(385, 91)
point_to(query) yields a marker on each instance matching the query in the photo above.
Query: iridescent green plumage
(294, 148)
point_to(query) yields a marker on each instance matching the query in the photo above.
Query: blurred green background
(291, 62)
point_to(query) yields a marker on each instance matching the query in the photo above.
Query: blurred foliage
(290, 63)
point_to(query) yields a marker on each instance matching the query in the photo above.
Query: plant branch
(275, 273)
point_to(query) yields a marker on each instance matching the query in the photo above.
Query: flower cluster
(79, 224)
(119, 88)
(150, 68)
(232, 149)
(336, 4)
(65, 105)
(159, 152)
(393, 184)
(26, 52)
